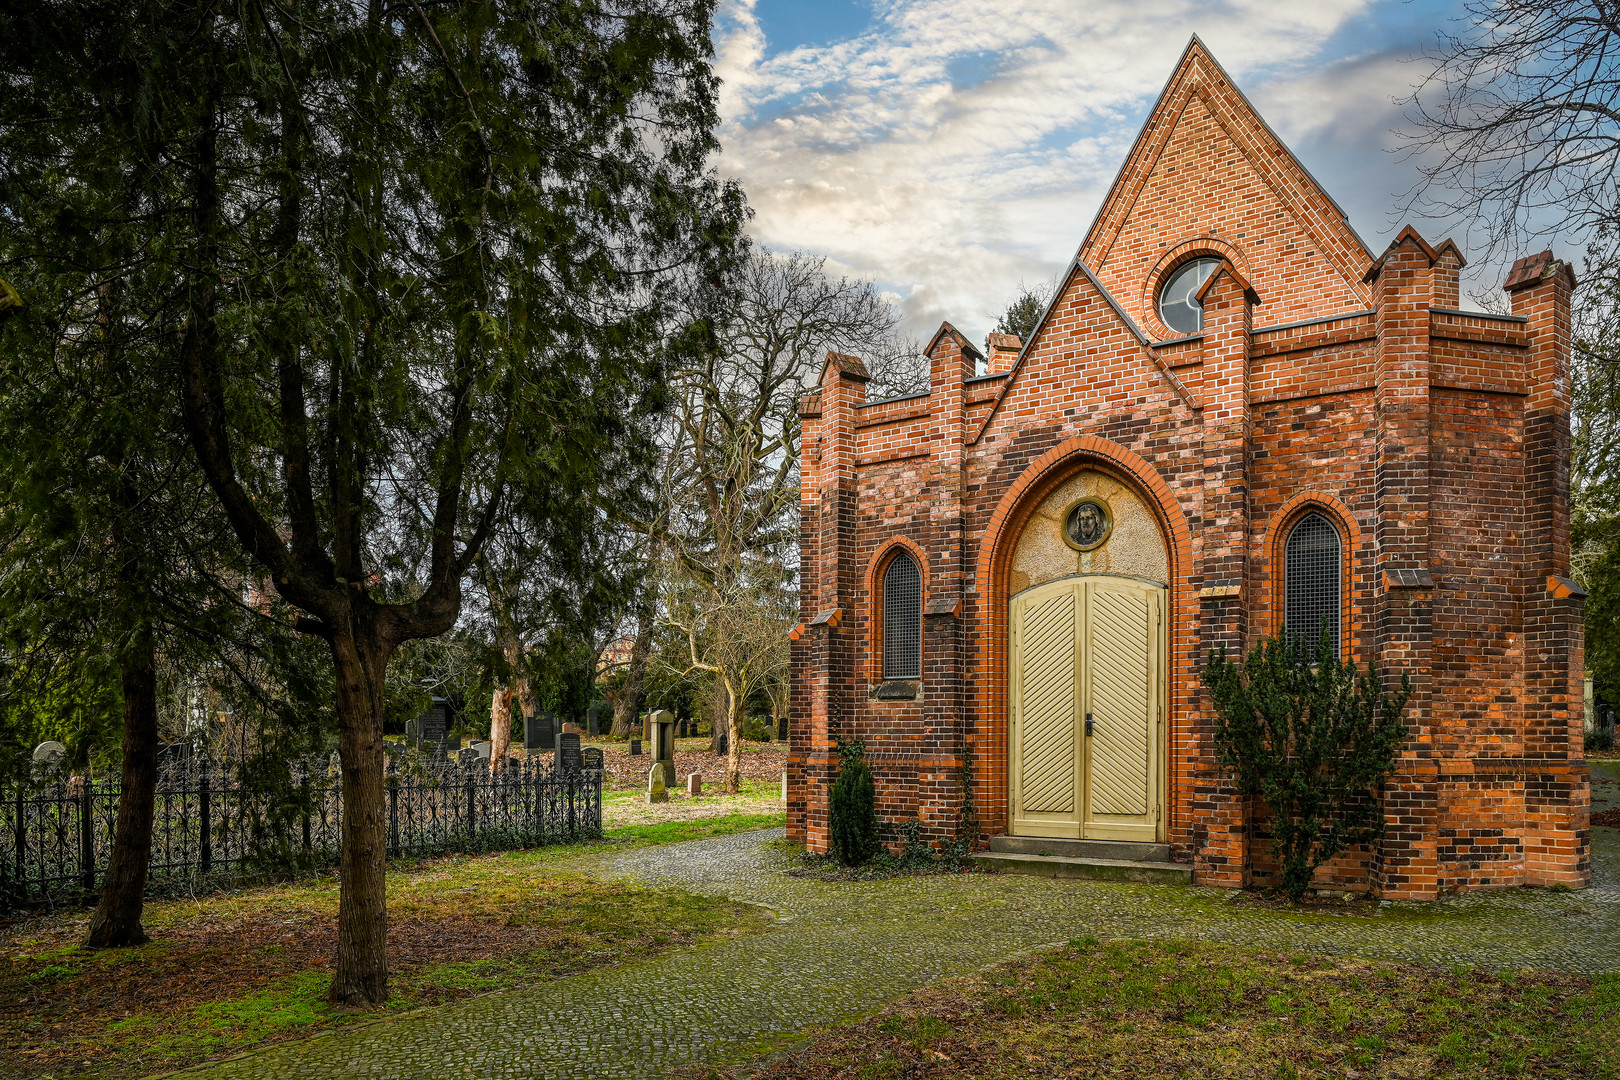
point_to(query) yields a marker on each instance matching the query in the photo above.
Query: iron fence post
(472, 807)
(87, 837)
(205, 848)
(22, 839)
(393, 817)
(305, 800)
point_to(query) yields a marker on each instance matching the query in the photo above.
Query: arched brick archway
(989, 734)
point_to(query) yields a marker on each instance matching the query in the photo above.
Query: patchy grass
(1194, 1009)
(234, 970)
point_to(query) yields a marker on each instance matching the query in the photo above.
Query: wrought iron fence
(211, 820)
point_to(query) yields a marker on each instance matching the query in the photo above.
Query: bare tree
(738, 635)
(1517, 124)
(728, 526)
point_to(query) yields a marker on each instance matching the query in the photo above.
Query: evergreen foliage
(1315, 738)
(1023, 316)
(852, 811)
(409, 274)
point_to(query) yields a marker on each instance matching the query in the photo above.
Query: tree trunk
(734, 751)
(720, 720)
(625, 708)
(361, 975)
(500, 727)
(117, 921)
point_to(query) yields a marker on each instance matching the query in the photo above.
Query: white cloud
(958, 146)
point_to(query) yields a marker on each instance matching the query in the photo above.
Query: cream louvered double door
(1088, 663)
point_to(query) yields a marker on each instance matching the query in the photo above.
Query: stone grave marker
(597, 717)
(568, 757)
(656, 790)
(537, 732)
(661, 733)
(694, 784)
(635, 747)
(590, 759)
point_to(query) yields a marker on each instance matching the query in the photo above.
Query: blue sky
(949, 149)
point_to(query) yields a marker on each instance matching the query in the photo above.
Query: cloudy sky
(950, 148)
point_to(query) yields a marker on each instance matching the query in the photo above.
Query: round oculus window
(1178, 296)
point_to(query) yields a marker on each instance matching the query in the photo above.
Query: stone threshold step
(1081, 849)
(1059, 866)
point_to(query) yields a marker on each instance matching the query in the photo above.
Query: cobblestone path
(841, 949)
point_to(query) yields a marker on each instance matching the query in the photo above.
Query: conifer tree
(418, 259)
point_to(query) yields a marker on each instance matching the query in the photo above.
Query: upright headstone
(537, 733)
(635, 747)
(661, 736)
(595, 717)
(657, 790)
(568, 761)
(481, 749)
(590, 759)
(781, 730)
(413, 731)
(694, 784)
(434, 723)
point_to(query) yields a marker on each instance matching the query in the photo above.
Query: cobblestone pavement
(840, 949)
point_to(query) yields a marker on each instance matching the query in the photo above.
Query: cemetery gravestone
(433, 725)
(661, 734)
(635, 747)
(657, 791)
(590, 759)
(537, 732)
(594, 719)
(568, 760)
(694, 784)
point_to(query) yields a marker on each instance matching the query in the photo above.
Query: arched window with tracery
(902, 619)
(1312, 581)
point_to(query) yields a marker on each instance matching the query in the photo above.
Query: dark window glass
(1178, 299)
(902, 619)
(1311, 582)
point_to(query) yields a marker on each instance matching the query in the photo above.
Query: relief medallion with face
(1087, 524)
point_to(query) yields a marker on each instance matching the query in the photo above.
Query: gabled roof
(1198, 76)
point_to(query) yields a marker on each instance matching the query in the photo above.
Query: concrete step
(1060, 866)
(1081, 849)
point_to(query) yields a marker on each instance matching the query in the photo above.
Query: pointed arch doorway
(1088, 685)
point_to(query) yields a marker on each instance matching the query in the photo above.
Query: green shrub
(853, 809)
(1315, 738)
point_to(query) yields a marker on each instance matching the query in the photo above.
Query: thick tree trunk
(361, 975)
(626, 708)
(500, 727)
(117, 921)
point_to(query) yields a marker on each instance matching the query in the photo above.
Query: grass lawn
(1196, 1009)
(233, 970)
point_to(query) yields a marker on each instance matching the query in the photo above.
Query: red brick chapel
(1233, 419)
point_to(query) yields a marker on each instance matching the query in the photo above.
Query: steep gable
(1207, 173)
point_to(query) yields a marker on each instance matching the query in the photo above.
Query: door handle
(1088, 725)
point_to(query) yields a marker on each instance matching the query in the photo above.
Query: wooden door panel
(1119, 654)
(1047, 705)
